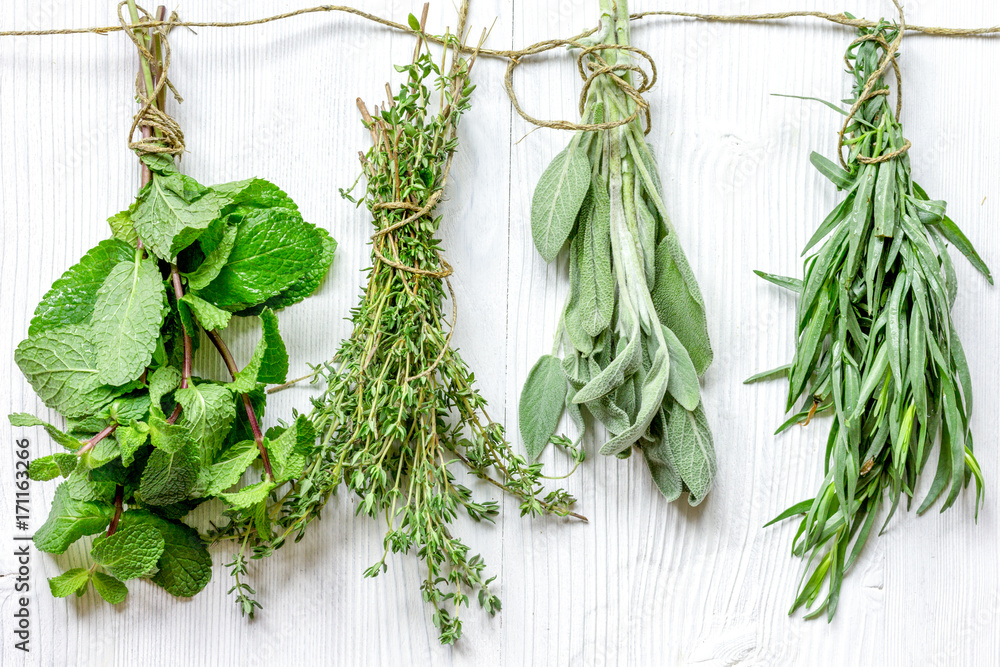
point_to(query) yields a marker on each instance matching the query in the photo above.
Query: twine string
(889, 52)
(166, 136)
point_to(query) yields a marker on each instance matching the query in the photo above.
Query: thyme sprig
(400, 408)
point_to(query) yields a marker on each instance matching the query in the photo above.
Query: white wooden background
(646, 582)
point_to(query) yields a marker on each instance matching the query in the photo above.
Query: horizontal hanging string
(514, 55)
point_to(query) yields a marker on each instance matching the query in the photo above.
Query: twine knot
(161, 133)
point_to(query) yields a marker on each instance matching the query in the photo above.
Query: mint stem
(258, 437)
(119, 497)
(90, 444)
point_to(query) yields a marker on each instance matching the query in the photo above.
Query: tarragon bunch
(633, 333)
(400, 416)
(876, 344)
(110, 348)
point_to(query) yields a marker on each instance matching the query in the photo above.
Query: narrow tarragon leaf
(272, 250)
(127, 317)
(131, 552)
(185, 566)
(109, 588)
(557, 199)
(207, 315)
(60, 364)
(541, 406)
(834, 172)
(69, 582)
(173, 211)
(69, 520)
(71, 298)
(207, 413)
(791, 284)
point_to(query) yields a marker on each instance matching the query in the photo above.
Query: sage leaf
(541, 405)
(692, 452)
(557, 200)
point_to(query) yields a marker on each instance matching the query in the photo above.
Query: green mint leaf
(131, 552)
(208, 315)
(127, 317)
(254, 193)
(130, 439)
(214, 260)
(64, 439)
(557, 199)
(185, 566)
(543, 399)
(71, 298)
(207, 413)
(69, 520)
(414, 23)
(163, 381)
(69, 582)
(130, 408)
(273, 249)
(103, 452)
(307, 284)
(287, 449)
(248, 495)
(79, 486)
(49, 467)
(269, 363)
(60, 364)
(173, 211)
(122, 228)
(169, 476)
(109, 588)
(229, 468)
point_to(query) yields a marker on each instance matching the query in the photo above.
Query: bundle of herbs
(111, 347)
(876, 344)
(400, 410)
(633, 334)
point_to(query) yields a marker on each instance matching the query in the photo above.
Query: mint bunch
(110, 348)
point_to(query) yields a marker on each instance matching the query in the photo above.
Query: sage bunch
(877, 348)
(400, 415)
(632, 338)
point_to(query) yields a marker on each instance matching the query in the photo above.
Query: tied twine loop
(889, 52)
(591, 65)
(418, 212)
(161, 133)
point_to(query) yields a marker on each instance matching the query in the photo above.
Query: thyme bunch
(400, 407)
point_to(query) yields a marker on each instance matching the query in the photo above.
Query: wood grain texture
(646, 582)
